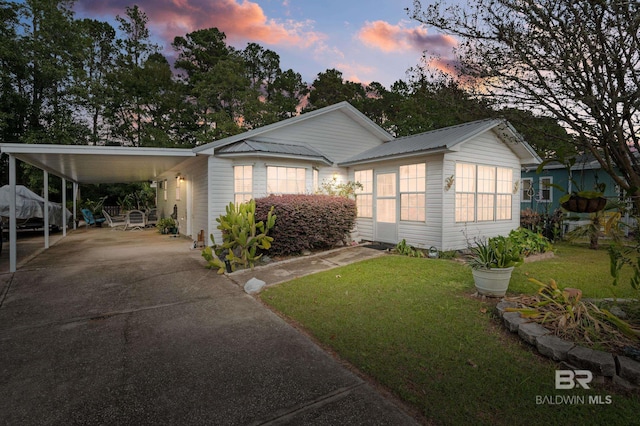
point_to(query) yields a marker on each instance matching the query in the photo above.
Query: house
(538, 194)
(436, 189)
(439, 188)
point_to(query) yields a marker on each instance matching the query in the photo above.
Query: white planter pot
(492, 282)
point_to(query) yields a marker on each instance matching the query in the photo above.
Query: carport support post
(75, 204)
(64, 207)
(46, 209)
(13, 245)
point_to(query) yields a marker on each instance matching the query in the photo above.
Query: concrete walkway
(113, 327)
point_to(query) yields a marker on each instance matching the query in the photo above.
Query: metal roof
(272, 148)
(445, 139)
(99, 164)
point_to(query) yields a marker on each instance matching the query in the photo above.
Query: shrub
(408, 250)
(548, 224)
(530, 242)
(307, 222)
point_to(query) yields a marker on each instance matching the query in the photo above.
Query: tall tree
(13, 73)
(48, 44)
(576, 61)
(128, 83)
(287, 92)
(200, 51)
(330, 88)
(95, 62)
(199, 56)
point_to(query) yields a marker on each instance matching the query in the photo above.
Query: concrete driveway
(113, 327)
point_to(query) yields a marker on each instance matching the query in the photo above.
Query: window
(316, 179)
(164, 186)
(364, 195)
(412, 192)
(486, 190)
(483, 193)
(465, 192)
(386, 198)
(526, 194)
(285, 180)
(504, 186)
(544, 192)
(242, 183)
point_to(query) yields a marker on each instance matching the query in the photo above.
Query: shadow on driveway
(113, 327)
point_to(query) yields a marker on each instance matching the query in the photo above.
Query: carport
(81, 164)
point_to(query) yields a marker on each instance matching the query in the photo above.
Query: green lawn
(412, 325)
(574, 266)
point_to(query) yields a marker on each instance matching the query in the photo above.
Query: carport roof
(99, 164)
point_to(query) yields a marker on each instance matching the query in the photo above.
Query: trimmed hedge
(307, 222)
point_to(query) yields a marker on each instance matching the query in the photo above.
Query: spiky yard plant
(568, 316)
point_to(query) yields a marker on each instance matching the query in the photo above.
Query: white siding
(419, 234)
(365, 229)
(220, 193)
(333, 134)
(486, 149)
(197, 178)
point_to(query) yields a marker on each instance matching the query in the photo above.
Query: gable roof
(251, 147)
(447, 139)
(344, 107)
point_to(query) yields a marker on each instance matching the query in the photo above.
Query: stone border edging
(622, 370)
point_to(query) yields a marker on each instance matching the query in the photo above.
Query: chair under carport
(81, 164)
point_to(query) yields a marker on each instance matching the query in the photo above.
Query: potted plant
(492, 262)
(584, 201)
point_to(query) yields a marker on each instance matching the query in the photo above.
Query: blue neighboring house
(537, 194)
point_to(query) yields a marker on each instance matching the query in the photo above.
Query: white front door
(386, 226)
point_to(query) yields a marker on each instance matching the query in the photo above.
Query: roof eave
(22, 148)
(395, 157)
(532, 156)
(274, 155)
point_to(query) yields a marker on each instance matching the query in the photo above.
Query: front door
(386, 226)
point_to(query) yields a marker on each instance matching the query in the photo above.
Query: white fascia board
(20, 148)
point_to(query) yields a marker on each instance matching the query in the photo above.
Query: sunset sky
(367, 40)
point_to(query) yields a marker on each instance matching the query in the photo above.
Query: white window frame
(504, 194)
(242, 183)
(483, 193)
(465, 196)
(526, 195)
(286, 180)
(413, 188)
(315, 177)
(364, 195)
(165, 189)
(542, 187)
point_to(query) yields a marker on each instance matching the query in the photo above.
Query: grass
(412, 325)
(574, 266)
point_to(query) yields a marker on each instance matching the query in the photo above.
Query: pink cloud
(391, 38)
(240, 20)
